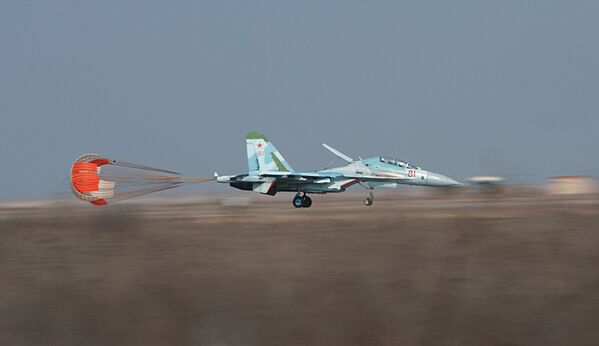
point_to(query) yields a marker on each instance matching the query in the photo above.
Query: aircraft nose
(435, 179)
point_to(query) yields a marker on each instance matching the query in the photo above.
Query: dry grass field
(515, 270)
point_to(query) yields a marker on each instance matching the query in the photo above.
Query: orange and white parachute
(100, 180)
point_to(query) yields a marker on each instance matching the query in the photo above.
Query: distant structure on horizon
(489, 184)
(571, 185)
(486, 180)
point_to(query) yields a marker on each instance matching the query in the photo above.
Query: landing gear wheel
(306, 202)
(298, 201)
(369, 200)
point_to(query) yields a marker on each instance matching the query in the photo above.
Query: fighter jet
(270, 173)
(102, 180)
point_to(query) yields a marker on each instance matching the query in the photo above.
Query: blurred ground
(449, 270)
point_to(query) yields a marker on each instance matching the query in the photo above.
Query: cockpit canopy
(397, 162)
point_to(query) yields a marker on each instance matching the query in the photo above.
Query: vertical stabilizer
(263, 156)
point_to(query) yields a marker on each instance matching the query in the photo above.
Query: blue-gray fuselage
(372, 172)
(270, 173)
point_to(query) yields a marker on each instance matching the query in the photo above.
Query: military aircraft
(270, 173)
(101, 180)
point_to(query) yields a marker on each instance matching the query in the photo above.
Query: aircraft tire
(368, 201)
(298, 201)
(306, 202)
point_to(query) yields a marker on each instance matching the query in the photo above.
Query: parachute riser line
(98, 179)
(144, 167)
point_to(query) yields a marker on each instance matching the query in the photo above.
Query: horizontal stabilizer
(265, 186)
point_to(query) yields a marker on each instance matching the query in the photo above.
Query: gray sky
(458, 87)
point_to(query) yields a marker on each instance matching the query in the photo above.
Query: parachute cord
(138, 166)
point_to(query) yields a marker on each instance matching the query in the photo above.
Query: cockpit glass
(397, 162)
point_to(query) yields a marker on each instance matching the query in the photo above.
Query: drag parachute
(100, 180)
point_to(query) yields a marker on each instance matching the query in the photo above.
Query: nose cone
(435, 179)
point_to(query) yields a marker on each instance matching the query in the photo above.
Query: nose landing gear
(369, 200)
(300, 201)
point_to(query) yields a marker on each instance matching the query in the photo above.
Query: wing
(306, 177)
(293, 174)
(377, 178)
(327, 177)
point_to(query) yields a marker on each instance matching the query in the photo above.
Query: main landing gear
(300, 201)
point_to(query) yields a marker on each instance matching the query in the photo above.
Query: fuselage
(380, 171)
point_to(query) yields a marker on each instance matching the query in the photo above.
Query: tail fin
(263, 156)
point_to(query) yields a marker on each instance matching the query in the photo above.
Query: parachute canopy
(100, 180)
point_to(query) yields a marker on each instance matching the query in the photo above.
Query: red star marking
(259, 145)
